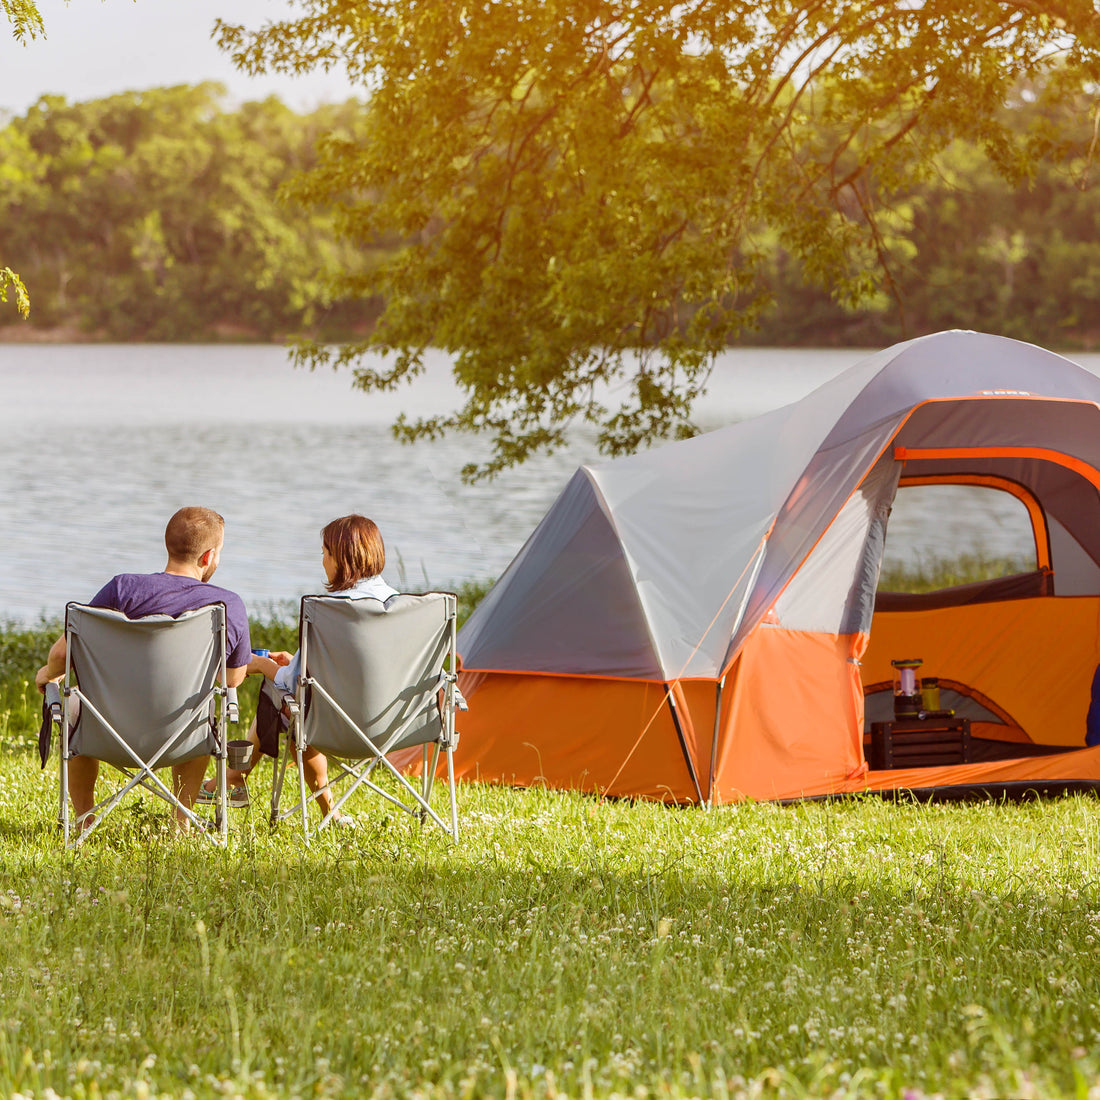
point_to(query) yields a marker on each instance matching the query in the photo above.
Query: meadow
(567, 946)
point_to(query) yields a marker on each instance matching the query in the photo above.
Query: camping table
(920, 743)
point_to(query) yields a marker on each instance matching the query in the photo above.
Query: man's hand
(42, 677)
(54, 668)
(281, 657)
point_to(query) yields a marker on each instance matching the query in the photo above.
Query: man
(193, 539)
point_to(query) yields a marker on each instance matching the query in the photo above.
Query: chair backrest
(381, 664)
(152, 679)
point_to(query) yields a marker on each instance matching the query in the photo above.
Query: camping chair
(375, 678)
(147, 694)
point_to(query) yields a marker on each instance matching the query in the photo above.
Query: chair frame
(223, 711)
(359, 772)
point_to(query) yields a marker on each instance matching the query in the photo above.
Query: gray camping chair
(147, 694)
(375, 678)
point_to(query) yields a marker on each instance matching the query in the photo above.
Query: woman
(353, 557)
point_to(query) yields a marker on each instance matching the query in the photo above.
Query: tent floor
(971, 792)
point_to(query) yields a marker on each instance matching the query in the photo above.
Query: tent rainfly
(699, 623)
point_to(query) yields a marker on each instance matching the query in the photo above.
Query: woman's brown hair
(355, 544)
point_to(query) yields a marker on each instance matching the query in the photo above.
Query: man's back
(139, 594)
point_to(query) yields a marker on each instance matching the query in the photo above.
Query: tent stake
(683, 742)
(714, 742)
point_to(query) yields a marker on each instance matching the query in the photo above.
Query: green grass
(567, 946)
(931, 572)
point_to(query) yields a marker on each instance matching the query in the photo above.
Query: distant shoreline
(24, 333)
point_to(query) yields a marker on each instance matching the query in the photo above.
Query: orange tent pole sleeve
(1047, 454)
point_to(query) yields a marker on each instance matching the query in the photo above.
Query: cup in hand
(262, 652)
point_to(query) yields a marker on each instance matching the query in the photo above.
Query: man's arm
(54, 668)
(234, 677)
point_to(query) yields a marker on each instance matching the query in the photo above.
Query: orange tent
(699, 622)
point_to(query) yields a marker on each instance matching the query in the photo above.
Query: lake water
(99, 444)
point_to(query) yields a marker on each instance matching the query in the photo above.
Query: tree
(26, 23)
(154, 215)
(584, 190)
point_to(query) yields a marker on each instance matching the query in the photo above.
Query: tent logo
(1005, 393)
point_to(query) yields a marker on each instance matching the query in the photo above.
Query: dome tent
(698, 622)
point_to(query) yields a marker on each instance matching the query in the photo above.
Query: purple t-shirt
(140, 594)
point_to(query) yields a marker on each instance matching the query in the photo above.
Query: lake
(101, 443)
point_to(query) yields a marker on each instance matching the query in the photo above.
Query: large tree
(583, 190)
(26, 22)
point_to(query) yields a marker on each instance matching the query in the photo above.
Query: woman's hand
(281, 657)
(265, 666)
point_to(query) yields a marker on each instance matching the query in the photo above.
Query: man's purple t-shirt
(140, 594)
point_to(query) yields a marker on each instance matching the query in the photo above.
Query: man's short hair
(191, 532)
(356, 546)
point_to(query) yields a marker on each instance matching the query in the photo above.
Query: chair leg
(277, 782)
(223, 798)
(302, 791)
(451, 785)
(428, 778)
(63, 809)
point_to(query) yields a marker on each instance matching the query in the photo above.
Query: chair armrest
(291, 704)
(232, 710)
(460, 700)
(53, 701)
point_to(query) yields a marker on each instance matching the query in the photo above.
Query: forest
(169, 215)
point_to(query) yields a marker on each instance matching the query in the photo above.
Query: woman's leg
(315, 768)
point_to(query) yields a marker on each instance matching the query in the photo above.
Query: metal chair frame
(374, 755)
(223, 711)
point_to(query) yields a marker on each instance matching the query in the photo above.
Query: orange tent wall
(614, 737)
(792, 709)
(1033, 658)
(793, 716)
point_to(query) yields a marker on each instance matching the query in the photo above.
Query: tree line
(166, 215)
(157, 216)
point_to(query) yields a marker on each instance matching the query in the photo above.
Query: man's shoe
(238, 797)
(345, 821)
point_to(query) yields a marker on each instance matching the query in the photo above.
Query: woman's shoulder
(369, 588)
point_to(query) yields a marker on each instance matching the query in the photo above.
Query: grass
(930, 572)
(567, 947)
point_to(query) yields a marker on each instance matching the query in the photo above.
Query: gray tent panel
(953, 365)
(1075, 571)
(692, 518)
(660, 564)
(567, 603)
(151, 678)
(834, 590)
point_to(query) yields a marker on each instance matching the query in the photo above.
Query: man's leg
(82, 776)
(186, 780)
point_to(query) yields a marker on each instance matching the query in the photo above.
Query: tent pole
(714, 742)
(683, 742)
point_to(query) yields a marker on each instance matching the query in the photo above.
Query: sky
(96, 48)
